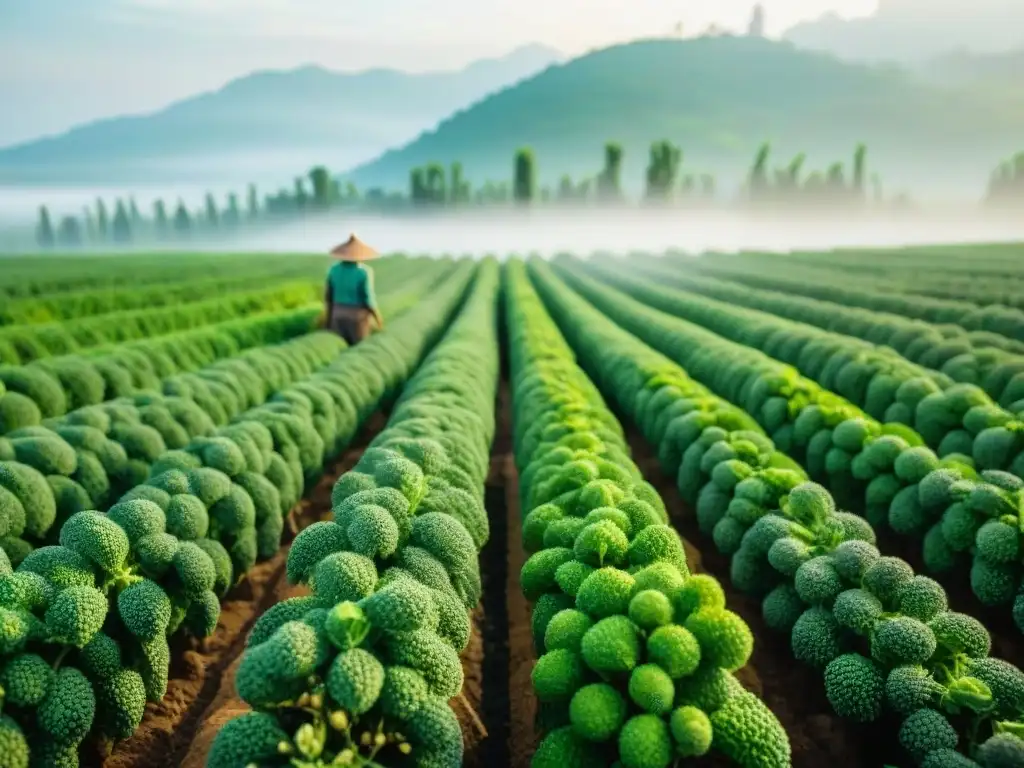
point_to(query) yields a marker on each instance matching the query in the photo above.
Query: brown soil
(498, 711)
(522, 733)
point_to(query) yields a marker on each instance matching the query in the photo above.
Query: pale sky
(66, 61)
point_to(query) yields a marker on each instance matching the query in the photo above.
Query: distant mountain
(718, 98)
(271, 124)
(915, 30)
(978, 70)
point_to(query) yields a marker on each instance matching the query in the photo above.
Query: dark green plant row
(939, 502)
(965, 357)
(885, 385)
(37, 276)
(979, 274)
(89, 457)
(21, 344)
(360, 672)
(50, 387)
(883, 637)
(636, 655)
(762, 272)
(86, 621)
(189, 287)
(963, 260)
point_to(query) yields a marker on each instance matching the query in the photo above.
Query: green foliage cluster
(935, 497)
(189, 287)
(86, 619)
(636, 655)
(883, 636)
(54, 387)
(88, 277)
(1006, 185)
(97, 227)
(784, 186)
(982, 274)
(1002, 326)
(51, 387)
(428, 186)
(360, 672)
(27, 342)
(65, 459)
(952, 353)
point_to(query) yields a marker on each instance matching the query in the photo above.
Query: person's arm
(370, 297)
(327, 300)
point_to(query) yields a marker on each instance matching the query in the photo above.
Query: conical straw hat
(354, 249)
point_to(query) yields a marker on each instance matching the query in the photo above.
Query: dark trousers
(349, 322)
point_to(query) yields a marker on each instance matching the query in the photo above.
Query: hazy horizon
(20, 203)
(548, 231)
(76, 63)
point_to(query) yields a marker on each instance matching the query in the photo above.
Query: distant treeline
(1006, 186)
(433, 184)
(436, 185)
(124, 223)
(664, 182)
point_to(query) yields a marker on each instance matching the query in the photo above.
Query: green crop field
(750, 509)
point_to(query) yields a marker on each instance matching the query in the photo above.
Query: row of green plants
(971, 261)
(88, 457)
(86, 620)
(887, 645)
(636, 655)
(980, 274)
(966, 357)
(360, 671)
(762, 272)
(888, 387)
(92, 456)
(49, 387)
(189, 288)
(975, 523)
(52, 386)
(88, 277)
(884, 471)
(25, 343)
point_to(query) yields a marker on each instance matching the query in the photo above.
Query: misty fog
(552, 228)
(586, 231)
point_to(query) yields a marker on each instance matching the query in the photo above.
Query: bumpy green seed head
(651, 689)
(650, 609)
(597, 712)
(691, 731)
(612, 645)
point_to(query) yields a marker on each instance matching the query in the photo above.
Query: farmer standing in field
(349, 297)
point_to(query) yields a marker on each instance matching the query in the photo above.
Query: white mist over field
(547, 232)
(551, 230)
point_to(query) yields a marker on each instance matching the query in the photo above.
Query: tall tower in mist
(756, 26)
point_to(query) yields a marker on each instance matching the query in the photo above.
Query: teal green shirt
(352, 284)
